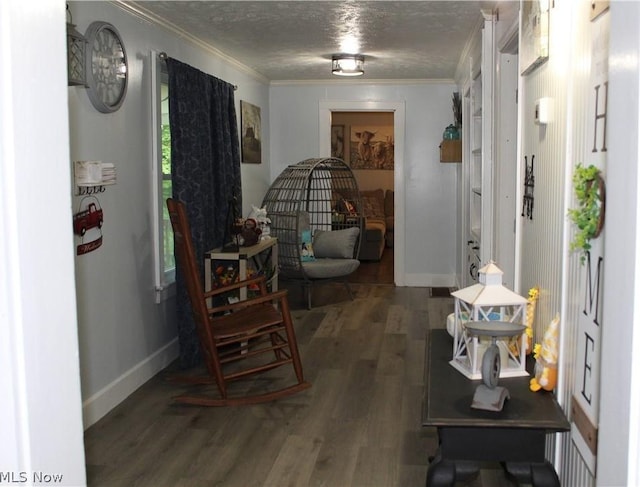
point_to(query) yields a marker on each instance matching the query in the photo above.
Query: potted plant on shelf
(588, 217)
(457, 110)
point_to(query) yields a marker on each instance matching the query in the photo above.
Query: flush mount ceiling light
(347, 64)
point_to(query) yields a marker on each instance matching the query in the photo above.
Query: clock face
(106, 67)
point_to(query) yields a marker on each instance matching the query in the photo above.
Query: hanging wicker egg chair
(316, 196)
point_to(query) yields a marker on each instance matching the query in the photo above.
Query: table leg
(537, 474)
(445, 473)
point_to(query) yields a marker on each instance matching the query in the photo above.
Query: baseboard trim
(430, 280)
(103, 401)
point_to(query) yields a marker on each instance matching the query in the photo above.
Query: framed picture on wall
(534, 49)
(337, 141)
(251, 133)
(371, 147)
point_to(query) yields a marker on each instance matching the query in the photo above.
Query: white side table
(263, 254)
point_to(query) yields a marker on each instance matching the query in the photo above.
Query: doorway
(365, 140)
(326, 110)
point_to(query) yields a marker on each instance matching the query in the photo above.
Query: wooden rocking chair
(237, 339)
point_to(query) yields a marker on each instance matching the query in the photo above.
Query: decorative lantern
(76, 46)
(488, 300)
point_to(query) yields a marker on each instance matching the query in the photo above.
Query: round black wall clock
(106, 65)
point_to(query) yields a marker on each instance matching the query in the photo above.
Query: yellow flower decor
(531, 311)
(546, 355)
(532, 299)
(536, 350)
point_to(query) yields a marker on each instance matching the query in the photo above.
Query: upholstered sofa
(378, 211)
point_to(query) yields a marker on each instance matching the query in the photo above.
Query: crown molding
(324, 82)
(135, 9)
(462, 71)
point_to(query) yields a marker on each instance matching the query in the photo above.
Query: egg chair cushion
(336, 244)
(324, 268)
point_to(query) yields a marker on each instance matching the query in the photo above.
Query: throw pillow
(336, 244)
(372, 207)
(306, 249)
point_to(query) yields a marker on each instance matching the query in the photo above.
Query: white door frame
(506, 153)
(398, 109)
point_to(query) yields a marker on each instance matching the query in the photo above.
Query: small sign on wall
(586, 388)
(94, 173)
(87, 224)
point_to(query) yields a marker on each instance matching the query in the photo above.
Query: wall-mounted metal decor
(529, 181)
(107, 67)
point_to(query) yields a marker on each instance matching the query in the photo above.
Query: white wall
(125, 337)
(429, 187)
(619, 436)
(40, 410)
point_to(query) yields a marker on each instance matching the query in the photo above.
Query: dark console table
(467, 437)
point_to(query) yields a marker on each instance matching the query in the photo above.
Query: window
(167, 231)
(165, 264)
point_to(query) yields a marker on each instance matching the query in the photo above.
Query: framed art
(534, 27)
(251, 133)
(371, 147)
(337, 141)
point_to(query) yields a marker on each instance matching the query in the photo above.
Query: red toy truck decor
(89, 216)
(86, 219)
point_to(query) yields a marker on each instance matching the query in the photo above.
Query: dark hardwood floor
(358, 425)
(375, 272)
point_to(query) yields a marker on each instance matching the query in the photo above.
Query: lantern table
(488, 300)
(468, 437)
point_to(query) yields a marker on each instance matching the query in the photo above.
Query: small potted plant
(588, 217)
(457, 109)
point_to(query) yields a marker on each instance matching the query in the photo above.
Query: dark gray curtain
(205, 162)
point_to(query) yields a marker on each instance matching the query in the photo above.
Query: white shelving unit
(480, 154)
(475, 160)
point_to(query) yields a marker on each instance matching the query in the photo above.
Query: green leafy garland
(589, 216)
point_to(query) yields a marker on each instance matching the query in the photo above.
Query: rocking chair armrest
(236, 285)
(274, 296)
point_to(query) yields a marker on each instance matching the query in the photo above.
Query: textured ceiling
(295, 40)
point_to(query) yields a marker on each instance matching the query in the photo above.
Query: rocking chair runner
(257, 330)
